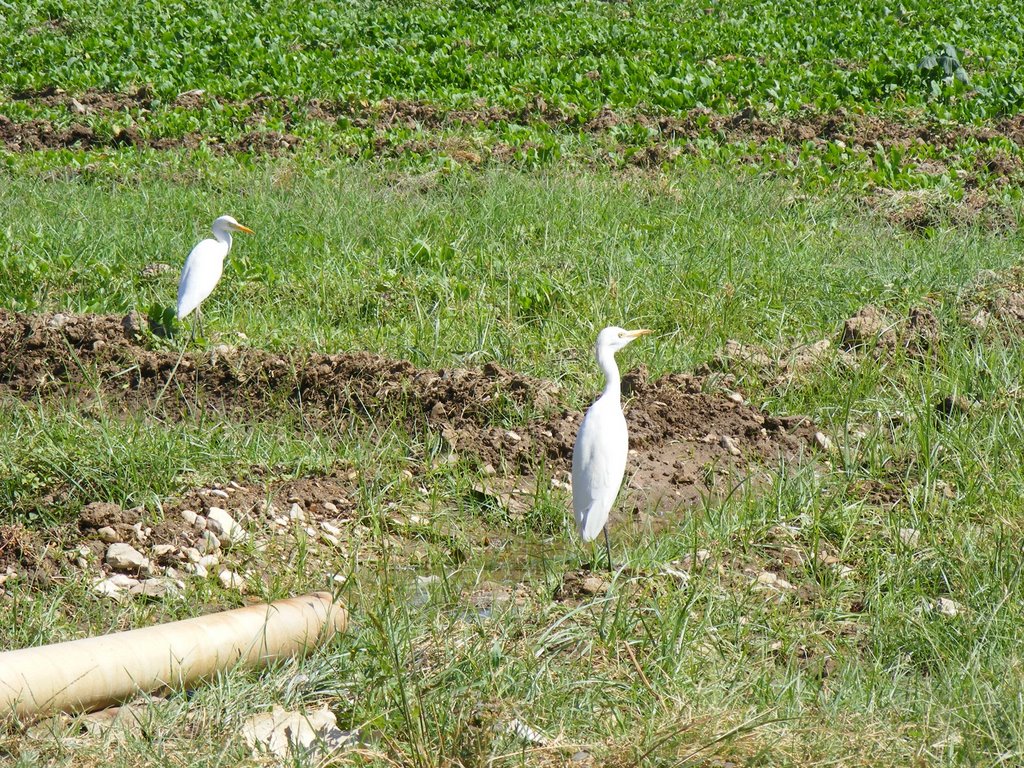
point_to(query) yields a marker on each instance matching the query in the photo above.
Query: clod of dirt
(34, 135)
(773, 369)
(155, 269)
(25, 552)
(580, 585)
(286, 734)
(953, 405)
(996, 302)
(876, 330)
(922, 209)
(869, 326)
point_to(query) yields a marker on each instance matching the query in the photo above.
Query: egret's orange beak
(638, 333)
(240, 228)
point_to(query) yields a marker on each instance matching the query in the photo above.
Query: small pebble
(729, 444)
(823, 441)
(231, 580)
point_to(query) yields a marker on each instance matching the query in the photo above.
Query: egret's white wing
(598, 464)
(199, 277)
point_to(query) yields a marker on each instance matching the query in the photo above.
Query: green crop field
(814, 208)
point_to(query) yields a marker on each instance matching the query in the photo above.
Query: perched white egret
(602, 444)
(204, 266)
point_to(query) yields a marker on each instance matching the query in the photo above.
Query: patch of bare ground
(871, 330)
(920, 210)
(38, 134)
(996, 303)
(852, 129)
(688, 438)
(234, 528)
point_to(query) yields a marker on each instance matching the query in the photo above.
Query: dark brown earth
(688, 438)
(33, 135)
(855, 130)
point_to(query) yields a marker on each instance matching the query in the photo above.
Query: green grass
(458, 267)
(449, 269)
(514, 240)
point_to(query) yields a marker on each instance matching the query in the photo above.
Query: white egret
(602, 444)
(204, 266)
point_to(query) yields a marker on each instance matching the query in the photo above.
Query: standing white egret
(602, 444)
(204, 266)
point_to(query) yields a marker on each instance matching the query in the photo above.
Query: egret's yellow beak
(638, 333)
(240, 228)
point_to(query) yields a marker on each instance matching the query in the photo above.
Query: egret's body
(602, 444)
(204, 266)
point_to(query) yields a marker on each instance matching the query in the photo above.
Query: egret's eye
(621, 334)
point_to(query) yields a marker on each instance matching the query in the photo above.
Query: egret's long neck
(222, 236)
(606, 361)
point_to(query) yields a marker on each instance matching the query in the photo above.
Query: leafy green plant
(943, 70)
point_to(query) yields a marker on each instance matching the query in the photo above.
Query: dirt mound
(686, 441)
(42, 353)
(876, 329)
(685, 444)
(866, 132)
(33, 135)
(995, 302)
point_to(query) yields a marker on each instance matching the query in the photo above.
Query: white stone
(910, 536)
(207, 543)
(196, 570)
(162, 550)
(124, 557)
(330, 508)
(208, 561)
(330, 528)
(223, 525)
(189, 516)
(729, 444)
(823, 441)
(152, 588)
(231, 580)
(947, 607)
(108, 535)
(296, 513)
(218, 493)
(107, 589)
(286, 735)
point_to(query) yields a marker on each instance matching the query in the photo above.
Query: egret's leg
(192, 338)
(608, 549)
(199, 322)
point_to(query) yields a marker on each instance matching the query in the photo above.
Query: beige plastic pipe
(96, 672)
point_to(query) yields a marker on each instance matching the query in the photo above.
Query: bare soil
(855, 130)
(688, 437)
(33, 135)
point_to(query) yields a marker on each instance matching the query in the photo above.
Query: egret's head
(228, 224)
(614, 338)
